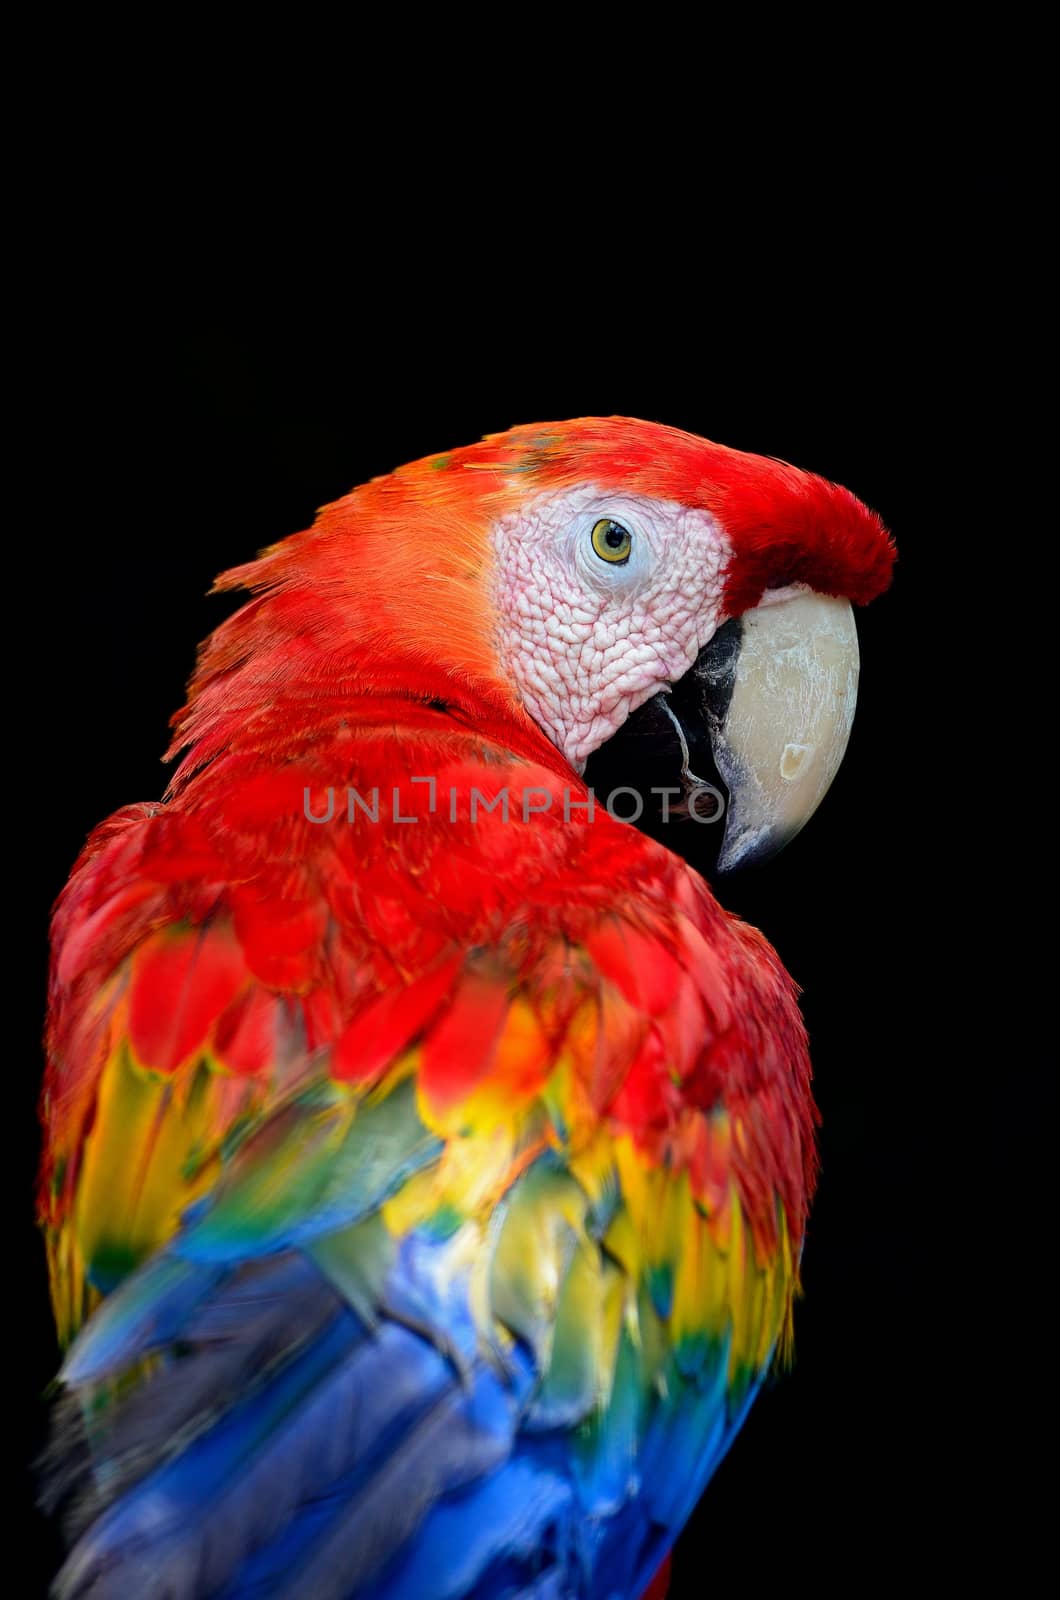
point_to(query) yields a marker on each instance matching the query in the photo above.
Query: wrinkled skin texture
(587, 642)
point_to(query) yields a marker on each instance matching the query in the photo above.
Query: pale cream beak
(780, 740)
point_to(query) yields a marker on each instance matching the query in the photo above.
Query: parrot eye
(611, 541)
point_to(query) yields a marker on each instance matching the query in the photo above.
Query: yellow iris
(611, 541)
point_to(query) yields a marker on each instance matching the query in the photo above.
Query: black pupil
(615, 537)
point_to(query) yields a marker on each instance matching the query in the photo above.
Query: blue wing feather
(306, 1449)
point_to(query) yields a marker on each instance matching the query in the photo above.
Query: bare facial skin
(588, 639)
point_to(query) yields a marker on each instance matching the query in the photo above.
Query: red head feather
(389, 591)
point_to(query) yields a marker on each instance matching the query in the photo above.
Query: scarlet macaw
(428, 1153)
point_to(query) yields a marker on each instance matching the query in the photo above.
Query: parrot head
(641, 597)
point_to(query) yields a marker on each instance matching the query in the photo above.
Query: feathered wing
(457, 1286)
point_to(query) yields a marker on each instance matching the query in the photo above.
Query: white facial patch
(586, 640)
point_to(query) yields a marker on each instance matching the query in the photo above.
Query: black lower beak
(658, 770)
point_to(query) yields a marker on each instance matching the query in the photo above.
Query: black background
(868, 345)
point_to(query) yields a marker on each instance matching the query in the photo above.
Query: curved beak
(780, 709)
